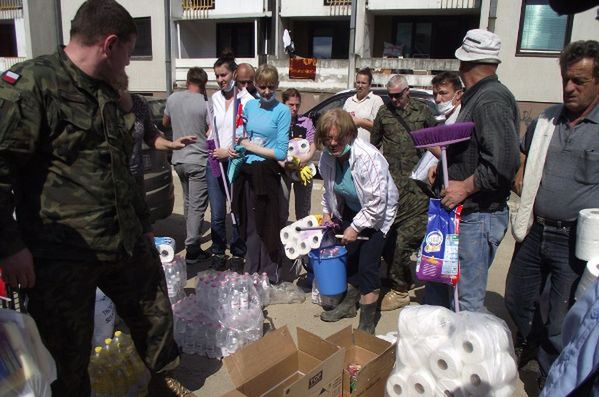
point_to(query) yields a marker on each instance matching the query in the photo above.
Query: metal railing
(338, 7)
(197, 9)
(10, 9)
(8, 62)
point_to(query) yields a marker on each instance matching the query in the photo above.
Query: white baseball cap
(479, 46)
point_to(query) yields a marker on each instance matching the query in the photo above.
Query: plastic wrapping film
(442, 353)
(26, 367)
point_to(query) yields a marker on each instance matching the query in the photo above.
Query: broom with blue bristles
(443, 136)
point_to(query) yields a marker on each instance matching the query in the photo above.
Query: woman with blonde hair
(359, 193)
(257, 188)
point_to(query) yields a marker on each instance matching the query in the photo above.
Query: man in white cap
(481, 169)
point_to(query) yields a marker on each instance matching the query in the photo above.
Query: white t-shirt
(224, 118)
(367, 108)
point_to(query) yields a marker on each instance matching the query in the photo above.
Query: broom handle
(456, 301)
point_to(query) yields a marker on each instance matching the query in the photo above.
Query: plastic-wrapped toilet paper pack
(587, 234)
(441, 353)
(300, 242)
(166, 248)
(589, 276)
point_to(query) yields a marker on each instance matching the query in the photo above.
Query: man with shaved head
(245, 78)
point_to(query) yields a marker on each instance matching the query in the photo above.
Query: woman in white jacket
(359, 192)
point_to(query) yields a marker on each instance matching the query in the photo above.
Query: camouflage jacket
(389, 135)
(64, 165)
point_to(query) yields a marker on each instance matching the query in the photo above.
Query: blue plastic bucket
(329, 272)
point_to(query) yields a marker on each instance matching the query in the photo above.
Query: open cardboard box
(375, 355)
(275, 367)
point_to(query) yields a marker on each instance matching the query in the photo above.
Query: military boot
(345, 309)
(395, 300)
(367, 315)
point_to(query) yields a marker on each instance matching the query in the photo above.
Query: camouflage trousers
(403, 239)
(62, 304)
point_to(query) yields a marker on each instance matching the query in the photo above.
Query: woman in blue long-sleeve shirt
(258, 185)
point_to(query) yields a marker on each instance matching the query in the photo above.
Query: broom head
(442, 135)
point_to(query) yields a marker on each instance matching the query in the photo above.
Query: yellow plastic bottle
(126, 349)
(121, 373)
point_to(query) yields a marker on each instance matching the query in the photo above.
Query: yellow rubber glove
(306, 175)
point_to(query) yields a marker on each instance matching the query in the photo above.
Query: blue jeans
(218, 214)
(546, 251)
(480, 236)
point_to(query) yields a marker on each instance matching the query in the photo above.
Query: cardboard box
(275, 367)
(376, 356)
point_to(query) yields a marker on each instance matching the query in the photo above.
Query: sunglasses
(398, 95)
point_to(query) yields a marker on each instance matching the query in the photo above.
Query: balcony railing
(197, 9)
(338, 7)
(460, 4)
(10, 9)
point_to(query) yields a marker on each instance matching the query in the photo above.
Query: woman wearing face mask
(359, 192)
(257, 187)
(224, 108)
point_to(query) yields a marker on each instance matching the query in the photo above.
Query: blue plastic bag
(438, 256)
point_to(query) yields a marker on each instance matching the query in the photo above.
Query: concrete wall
(41, 37)
(311, 8)
(147, 75)
(421, 4)
(530, 78)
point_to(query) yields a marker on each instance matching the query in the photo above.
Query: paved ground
(208, 377)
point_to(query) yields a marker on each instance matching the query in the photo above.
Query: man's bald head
(245, 77)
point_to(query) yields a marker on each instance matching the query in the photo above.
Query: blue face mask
(346, 149)
(268, 101)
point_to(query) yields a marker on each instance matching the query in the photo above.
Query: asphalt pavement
(208, 377)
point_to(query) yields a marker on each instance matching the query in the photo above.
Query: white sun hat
(479, 46)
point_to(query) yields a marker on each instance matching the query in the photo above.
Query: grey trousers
(195, 199)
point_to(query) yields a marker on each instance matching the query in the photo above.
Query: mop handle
(456, 301)
(301, 229)
(357, 238)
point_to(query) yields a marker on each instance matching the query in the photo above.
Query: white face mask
(229, 86)
(445, 107)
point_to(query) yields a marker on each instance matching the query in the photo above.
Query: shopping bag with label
(438, 256)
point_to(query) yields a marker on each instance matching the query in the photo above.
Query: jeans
(546, 251)
(195, 199)
(218, 214)
(480, 236)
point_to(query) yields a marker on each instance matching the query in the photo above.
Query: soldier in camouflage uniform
(390, 135)
(80, 221)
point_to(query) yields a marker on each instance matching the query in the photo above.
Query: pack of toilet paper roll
(442, 353)
(298, 243)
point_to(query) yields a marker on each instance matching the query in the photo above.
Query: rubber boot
(345, 309)
(367, 314)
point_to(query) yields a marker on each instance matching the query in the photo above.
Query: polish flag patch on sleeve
(11, 77)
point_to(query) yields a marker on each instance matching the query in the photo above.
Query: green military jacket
(64, 165)
(390, 136)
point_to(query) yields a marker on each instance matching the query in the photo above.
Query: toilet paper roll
(473, 346)
(450, 388)
(416, 321)
(445, 363)
(291, 251)
(413, 355)
(287, 234)
(397, 385)
(587, 237)
(167, 253)
(589, 276)
(506, 369)
(314, 239)
(308, 221)
(478, 379)
(505, 391)
(422, 383)
(303, 247)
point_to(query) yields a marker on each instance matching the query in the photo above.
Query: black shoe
(367, 316)
(525, 353)
(345, 309)
(194, 255)
(219, 262)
